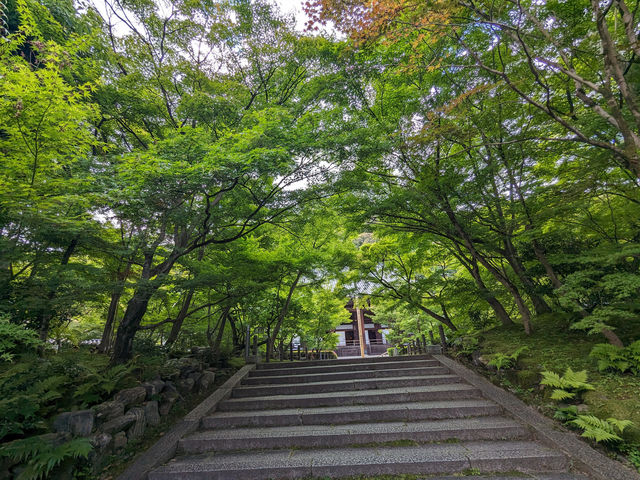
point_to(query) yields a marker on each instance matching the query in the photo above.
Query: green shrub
(27, 396)
(617, 359)
(235, 362)
(15, 339)
(466, 344)
(97, 385)
(501, 360)
(569, 386)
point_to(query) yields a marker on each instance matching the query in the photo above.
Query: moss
(527, 378)
(553, 346)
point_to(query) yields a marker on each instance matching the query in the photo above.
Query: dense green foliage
(193, 173)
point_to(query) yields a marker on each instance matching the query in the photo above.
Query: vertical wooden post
(306, 353)
(424, 343)
(299, 358)
(433, 340)
(443, 338)
(255, 347)
(360, 319)
(247, 344)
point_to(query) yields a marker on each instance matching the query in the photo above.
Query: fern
(566, 414)
(15, 339)
(96, 385)
(617, 359)
(600, 430)
(501, 360)
(566, 387)
(41, 457)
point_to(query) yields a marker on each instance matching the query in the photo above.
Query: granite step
(339, 361)
(339, 367)
(348, 414)
(330, 436)
(343, 385)
(356, 397)
(449, 458)
(346, 375)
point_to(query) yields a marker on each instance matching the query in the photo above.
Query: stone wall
(110, 425)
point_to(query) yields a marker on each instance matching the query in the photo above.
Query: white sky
(291, 7)
(294, 7)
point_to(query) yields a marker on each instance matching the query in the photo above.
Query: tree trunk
(272, 337)
(472, 267)
(45, 317)
(179, 320)
(612, 338)
(440, 318)
(218, 342)
(475, 254)
(539, 304)
(182, 314)
(107, 333)
(136, 308)
(544, 261)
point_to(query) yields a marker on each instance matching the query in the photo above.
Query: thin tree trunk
(182, 314)
(472, 267)
(45, 317)
(218, 342)
(179, 320)
(442, 319)
(538, 302)
(107, 333)
(272, 337)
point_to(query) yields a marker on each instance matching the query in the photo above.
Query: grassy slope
(553, 346)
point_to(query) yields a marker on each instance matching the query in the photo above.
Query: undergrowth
(600, 380)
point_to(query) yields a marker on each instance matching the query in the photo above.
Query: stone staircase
(360, 417)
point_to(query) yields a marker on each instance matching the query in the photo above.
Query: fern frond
(551, 379)
(621, 425)
(559, 394)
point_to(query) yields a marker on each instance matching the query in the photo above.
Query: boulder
(131, 396)
(118, 424)
(101, 441)
(137, 429)
(102, 444)
(108, 410)
(168, 397)
(184, 366)
(195, 376)
(151, 413)
(119, 441)
(154, 387)
(206, 380)
(185, 385)
(79, 423)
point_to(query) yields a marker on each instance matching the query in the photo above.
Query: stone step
(353, 414)
(449, 458)
(339, 361)
(342, 367)
(343, 385)
(357, 397)
(329, 436)
(348, 375)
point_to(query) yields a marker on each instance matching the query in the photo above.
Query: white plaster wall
(341, 338)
